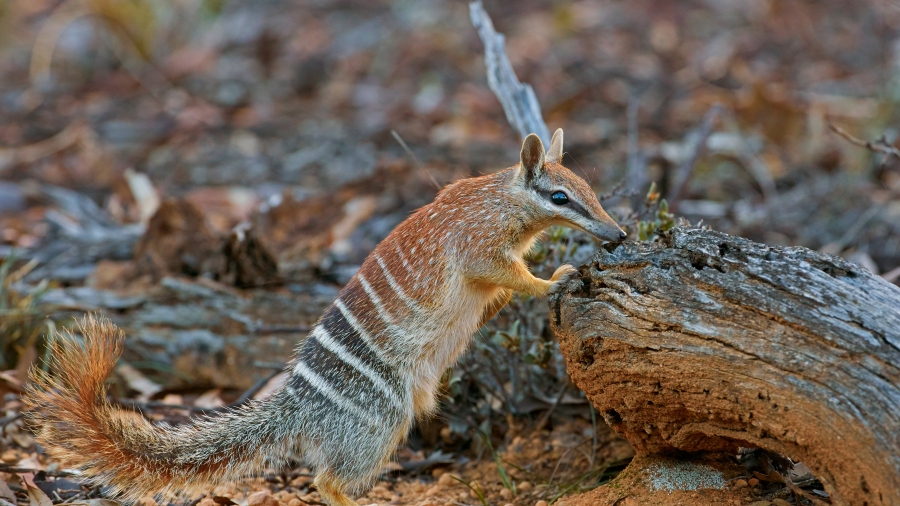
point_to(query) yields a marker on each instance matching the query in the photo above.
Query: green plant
(591, 479)
(21, 319)
(660, 217)
(474, 487)
(504, 478)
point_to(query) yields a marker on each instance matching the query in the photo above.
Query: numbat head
(564, 198)
(371, 365)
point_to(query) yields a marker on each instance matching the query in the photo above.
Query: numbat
(368, 369)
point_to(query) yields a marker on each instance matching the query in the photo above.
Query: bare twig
(246, 396)
(69, 136)
(799, 492)
(518, 99)
(835, 248)
(880, 146)
(636, 168)
(48, 38)
(546, 417)
(697, 143)
(6, 468)
(79, 495)
(892, 275)
(415, 160)
(10, 419)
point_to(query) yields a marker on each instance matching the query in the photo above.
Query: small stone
(472, 491)
(262, 498)
(506, 494)
(380, 490)
(509, 504)
(296, 502)
(463, 496)
(524, 486)
(448, 480)
(437, 472)
(542, 503)
(433, 491)
(446, 435)
(741, 483)
(284, 496)
(780, 502)
(753, 482)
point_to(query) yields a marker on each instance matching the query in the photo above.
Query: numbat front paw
(561, 277)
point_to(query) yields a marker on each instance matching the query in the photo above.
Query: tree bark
(704, 342)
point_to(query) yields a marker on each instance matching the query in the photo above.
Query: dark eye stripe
(573, 204)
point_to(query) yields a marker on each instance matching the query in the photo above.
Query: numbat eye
(559, 198)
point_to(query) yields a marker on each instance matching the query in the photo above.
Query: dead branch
(636, 172)
(697, 144)
(880, 146)
(518, 99)
(69, 136)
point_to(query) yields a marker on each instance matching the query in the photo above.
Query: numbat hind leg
(331, 488)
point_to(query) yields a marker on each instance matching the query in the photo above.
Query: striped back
(410, 310)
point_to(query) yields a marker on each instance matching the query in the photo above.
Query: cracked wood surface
(708, 342)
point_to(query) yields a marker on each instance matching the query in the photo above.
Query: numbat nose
(622, 235)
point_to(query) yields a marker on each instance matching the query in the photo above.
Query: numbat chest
(370, 366)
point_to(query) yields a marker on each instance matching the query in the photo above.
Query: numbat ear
(555, 153)
(532, 157)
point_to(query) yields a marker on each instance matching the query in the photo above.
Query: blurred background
(208, 173)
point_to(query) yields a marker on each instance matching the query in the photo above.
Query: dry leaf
(800, 472)
(210, 399)
(272, 386)
(137, 381)
(6, 494)
(31, 462)
(36, 496)
(10, 377)
(144, 194)
(391, 466)
(173, 400)
(22, 439)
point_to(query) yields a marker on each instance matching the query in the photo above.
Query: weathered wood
(708, 342)
(201, 333)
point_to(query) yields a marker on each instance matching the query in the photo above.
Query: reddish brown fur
(71, 414)
(416, 300)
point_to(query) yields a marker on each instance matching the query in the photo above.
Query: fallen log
(704, 343)
(200, 334)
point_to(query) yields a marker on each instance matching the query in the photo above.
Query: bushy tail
(76, 424)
